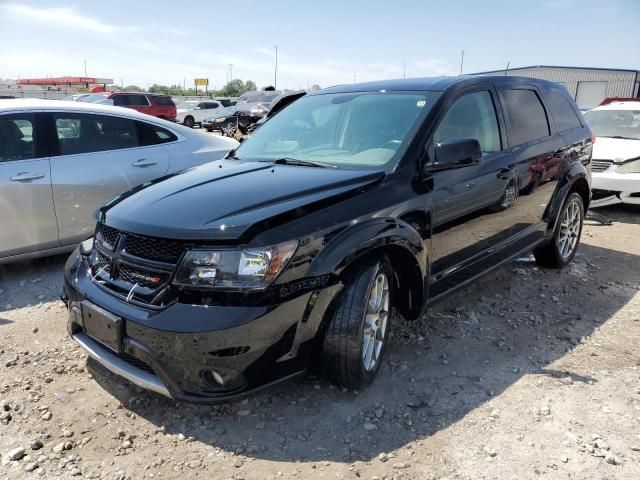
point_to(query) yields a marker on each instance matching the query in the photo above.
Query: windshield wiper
(302, 163)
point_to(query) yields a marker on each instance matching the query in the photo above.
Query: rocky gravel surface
(527, 374)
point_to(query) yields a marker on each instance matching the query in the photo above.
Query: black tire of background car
(548, 255)
(188, 121)
(342, 346)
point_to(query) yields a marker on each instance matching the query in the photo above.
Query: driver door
(469, 212)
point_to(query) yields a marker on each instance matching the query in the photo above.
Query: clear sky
(325, 42)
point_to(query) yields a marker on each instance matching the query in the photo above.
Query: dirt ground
(527, 374)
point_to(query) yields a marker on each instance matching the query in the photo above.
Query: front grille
(600, 165)
(135, 362)
(157, 249)
(134, 267)
(108, 236)
(142, 277)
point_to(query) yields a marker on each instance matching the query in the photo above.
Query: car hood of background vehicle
(616, 149)
(213, 203)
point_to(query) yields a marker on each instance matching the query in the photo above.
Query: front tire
(355, 340)
(559, 252)
(189, 121)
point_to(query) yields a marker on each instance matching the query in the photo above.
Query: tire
(351, 354)
(209, 130)
(560, 250)
(508, 199)
(189, 122)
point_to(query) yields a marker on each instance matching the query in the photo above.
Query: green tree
(234, 88)
(133, 88)
(250, 86)
(315, 86)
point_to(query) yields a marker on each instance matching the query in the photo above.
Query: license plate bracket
(103, 326)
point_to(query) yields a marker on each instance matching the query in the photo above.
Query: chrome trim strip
(112, 363)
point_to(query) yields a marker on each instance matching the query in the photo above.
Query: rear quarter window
(526, 116)
(150, 134)
(165, 101)
(562, 111)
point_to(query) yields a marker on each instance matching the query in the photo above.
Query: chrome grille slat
(600, 165)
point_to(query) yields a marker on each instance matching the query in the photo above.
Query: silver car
(60, 161)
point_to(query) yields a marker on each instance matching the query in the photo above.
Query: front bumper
(181, 350)
(622, 188)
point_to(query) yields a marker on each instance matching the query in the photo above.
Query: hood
(213, 203)
(616, 149)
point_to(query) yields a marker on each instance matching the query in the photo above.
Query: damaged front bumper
(195, 353)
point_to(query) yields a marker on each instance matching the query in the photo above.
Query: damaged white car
(616, 153)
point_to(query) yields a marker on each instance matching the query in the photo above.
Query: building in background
(588, 86)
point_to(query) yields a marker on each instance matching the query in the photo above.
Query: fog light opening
(221, 380)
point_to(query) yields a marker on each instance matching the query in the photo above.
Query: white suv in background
(192, 112)
(616, 153)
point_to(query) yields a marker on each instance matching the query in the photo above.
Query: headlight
(234, 268)
(220, 120)
(629, 167)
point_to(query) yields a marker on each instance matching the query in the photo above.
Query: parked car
(616, 153)
(256, 103)
(192, 112)
(228, 121)
(76, 97)
(351, 203)
(153, 104)
(60, 161)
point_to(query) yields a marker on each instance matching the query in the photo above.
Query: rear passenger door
(540, 153)
(97, 157)
(27, 217)
(136, 101)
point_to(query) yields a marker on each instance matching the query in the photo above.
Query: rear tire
(357, 333)
(189, 122)
(560, 250)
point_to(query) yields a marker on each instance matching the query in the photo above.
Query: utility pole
(461, 60)
(275, 75)
(354, 78)
(85, 68)
(230, 71)
(507, 69)
(404, 70)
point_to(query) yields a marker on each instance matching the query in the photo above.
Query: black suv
(350, 203)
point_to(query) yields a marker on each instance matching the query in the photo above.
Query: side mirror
(455, 153)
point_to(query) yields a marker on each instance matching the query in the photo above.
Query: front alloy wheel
(356, 334)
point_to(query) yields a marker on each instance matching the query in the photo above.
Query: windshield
(614, 123)
(354, 130)
(94, 97)
(264, 97)
(187, 105)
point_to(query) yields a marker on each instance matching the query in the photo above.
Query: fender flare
(576, 178)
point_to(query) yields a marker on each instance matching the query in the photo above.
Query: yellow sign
(201, 82)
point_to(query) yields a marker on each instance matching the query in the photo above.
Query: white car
(616, 153)
(192, 112)
(60, 161)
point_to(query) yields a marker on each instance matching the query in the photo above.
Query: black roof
(558, 66)
(436, 84)
(433, 84)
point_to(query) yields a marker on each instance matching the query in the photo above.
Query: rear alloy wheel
(189, 121)
(355, 339)
(562, 248)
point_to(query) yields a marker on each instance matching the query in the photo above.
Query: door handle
(26, 177)
(470, 185)
(143, 162)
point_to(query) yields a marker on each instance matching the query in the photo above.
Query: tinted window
(561, 110)
(154, 135)
(131, 100)
(526, 116)
(17, 140)
(163, 100)
(473, 116)
(79, 133)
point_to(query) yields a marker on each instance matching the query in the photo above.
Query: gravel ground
(527, 374)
